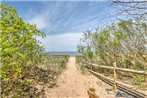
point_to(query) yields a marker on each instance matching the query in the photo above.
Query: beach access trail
(73, 84)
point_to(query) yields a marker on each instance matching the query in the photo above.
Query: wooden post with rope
(115, 76)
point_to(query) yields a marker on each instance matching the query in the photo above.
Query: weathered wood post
(115, 76)
(91, 93)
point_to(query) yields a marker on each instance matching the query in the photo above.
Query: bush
(19, 48)
(123, 42)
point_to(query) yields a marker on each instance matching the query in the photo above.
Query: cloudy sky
(64, 21)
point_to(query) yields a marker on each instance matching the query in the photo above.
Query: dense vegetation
(24, 65)
(124, 43)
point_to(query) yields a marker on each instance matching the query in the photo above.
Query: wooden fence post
(91, 93)
(115, 76)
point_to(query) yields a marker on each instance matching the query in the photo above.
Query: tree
(123, 40)
(124, 43)
(131, 8)
(19, 47)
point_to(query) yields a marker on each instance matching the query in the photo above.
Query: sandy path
(72, 84)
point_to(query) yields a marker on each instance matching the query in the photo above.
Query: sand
(73, 84)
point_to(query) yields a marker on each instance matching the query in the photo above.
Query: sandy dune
(72, 84)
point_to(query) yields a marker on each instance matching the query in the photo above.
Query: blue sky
(64, 21)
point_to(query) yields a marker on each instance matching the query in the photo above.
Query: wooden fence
(117, 84)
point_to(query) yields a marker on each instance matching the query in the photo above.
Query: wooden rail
(123, 87)
(120, 69)
(118, 85)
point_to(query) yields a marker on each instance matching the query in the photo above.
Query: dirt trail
(72, 84)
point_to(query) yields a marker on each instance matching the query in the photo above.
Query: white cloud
(63, 42)
(40, 21)
(64, 17)
(63, 22)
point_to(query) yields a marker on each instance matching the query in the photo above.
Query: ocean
(70, 53)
